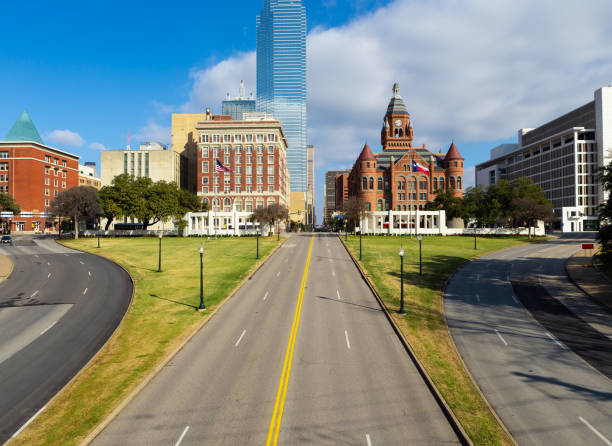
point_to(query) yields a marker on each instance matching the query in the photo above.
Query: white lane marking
(555, 340)
(240, 338)
(266, 295)
(35, 293)
(610, 336)
(48, 264)
(507, 277)
(28, 422)
(500, 337)
(278, 274)
(348, 344)
(287, 259)
(181, 437)
(478, 298)
(48, 275)
(81, 262)
(89, 273)
(66, 255)
(334, 273)
(604, 439)
(48, 328)
(515, 299)
(35, 255)
(338, 293)
(368, 440)
(85, 291)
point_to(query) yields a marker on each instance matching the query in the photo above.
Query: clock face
(398, 123)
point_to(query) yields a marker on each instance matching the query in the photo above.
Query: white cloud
(97, 146)
(470, 70)
(154, 132)
(65, 138)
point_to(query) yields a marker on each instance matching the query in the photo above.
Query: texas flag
(416, 167)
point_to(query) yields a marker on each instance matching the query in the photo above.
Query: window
(238, 169)
(216, 138)
(249, 138)
(452, 182)
(226, 180)
(371, 182)
(248, 180)
(64, 172)
(4, 166)
(249, 170)
(380, 183)
(204, 189)
(238, 159)
(47, 158)
(435, 183)
(270, 137)
(227, 150)
(5, 155)
(259, 149)
(441, 183)
(260, 189)
(270, 180)
(367, 206)
(271, 189)
(216, 180)
(216, 151)
(204, 138)
(204, 166)
(237, 138)
(259, 180)
(238, 150)
(55, 183)
(249, 149)
(47, 181)
(260, 160)
(459, 183)
(47, 192)
(238, 204)
(249, 190)
(270, 170)
(238, 180)
(259, 169)
(205, 152)
(63, 163)
(55, 193)
(249, 205)
(204, 180)
(270, 149)
(260, 138)
(249, 159)
(379, 205)
(47, 202)
(226, 189)
(238, 189)
(226, 160)
(271, 159)
(364, 184)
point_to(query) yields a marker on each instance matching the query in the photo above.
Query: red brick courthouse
(402, 177)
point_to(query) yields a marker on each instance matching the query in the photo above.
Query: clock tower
(396, 131)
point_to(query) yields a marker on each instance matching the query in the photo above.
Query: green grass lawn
(423, 324)
(161, 316)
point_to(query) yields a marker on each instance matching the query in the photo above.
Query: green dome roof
(24, 130)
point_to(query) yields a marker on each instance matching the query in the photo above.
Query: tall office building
(237, 107)
(281, 81)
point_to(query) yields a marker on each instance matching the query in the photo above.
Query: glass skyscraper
(281, 77)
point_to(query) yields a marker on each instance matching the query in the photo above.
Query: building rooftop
(397, 105)
(24, 130)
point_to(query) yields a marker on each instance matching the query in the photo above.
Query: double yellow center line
(277, 415)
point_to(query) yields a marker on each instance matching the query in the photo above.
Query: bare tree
(271, 214)
(354, 210)
(76, 202)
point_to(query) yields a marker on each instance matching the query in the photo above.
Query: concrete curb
(95, 356)
(110, 417)
(446, 410)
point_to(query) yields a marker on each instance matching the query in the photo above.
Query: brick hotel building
(255, 149)
(386, 181)
(33, 174)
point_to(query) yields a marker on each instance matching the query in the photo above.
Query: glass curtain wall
(281, 78)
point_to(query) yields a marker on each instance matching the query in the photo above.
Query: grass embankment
(161, 316)
(424, 325)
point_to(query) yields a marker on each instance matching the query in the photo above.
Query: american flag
(219, 167)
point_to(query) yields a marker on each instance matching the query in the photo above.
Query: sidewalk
(581, 271)
(6, 267)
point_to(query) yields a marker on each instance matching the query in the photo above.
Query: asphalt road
(537, 347)
(56, 310)
(347, 379)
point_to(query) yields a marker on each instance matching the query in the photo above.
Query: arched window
(206, 201)
(368, 207)
(371, 182)
(249, 205)
(404, 207)
(260, 203)
(379, 205)
(435, 183)
(399, 208)
(227, 205)
(459, 183)
(216, 204)
(364, 184)
(452, 182)
(380, 183)
(441, 183)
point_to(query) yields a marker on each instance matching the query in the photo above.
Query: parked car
(6, 239)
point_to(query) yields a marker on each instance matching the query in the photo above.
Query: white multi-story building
(563, 157)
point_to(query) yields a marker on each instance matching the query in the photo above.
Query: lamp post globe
(401, 254)
(202, 306)
(159, 270)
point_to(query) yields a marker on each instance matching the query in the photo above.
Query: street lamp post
(359, 242)
(278, 231)
(401, 254)
(257, 244)
(345, 231)
(420, 238)
(202, 306)
(98, 238)
(475, 238)
(159, 270)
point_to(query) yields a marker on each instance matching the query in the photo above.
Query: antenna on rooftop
(128, 142)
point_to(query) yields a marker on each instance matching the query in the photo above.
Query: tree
(605, 212)
(109, 202)
(187, 202)
(205, 206)
(354, 211)
(530, 211)
(76, 202)
(477, 206)
(447, 201)
(270, 214)
(7, 204)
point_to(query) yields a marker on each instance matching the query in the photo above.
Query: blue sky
(472, 71)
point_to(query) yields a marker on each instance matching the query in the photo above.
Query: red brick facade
(387, 180)
(34, 174)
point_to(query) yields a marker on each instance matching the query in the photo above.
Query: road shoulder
(588, 279)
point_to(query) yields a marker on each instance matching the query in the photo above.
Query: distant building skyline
(281, 78)
(239, 105)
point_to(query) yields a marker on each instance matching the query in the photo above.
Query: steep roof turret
(24, 130)
(396, 104)
(366, 154)
(452, 153)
